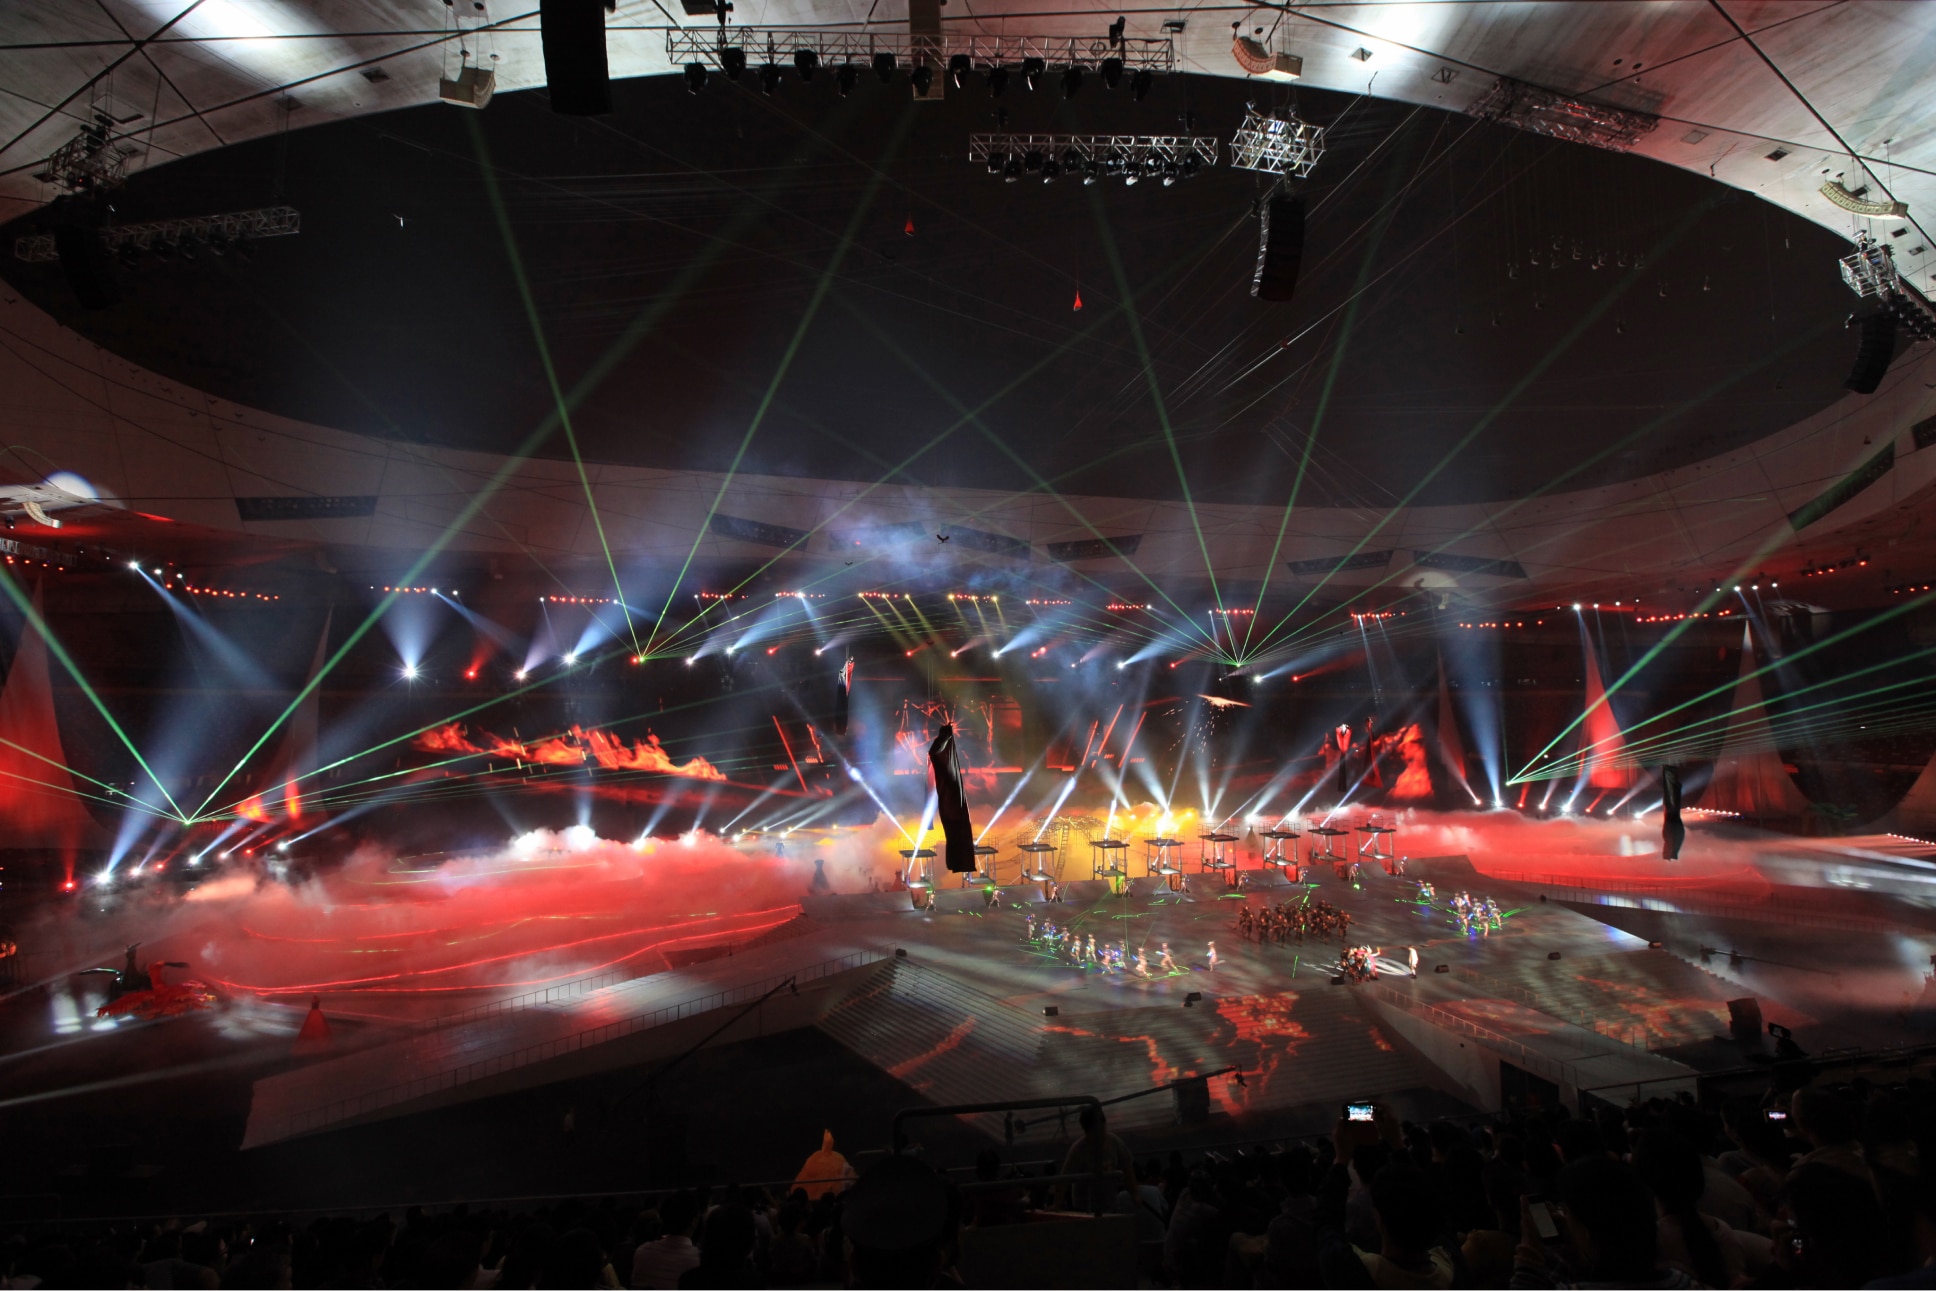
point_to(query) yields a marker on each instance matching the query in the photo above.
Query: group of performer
(1482, 915)
(1360, 963)
(1069, 946)
(1286, 921)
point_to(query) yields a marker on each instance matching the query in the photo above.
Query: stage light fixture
(1132, 171)
(1050, 169)
(1032, 160)
(805, 62)
(769, 77)
(847, 77)
(996, 161)
(1112, 72)
(1071, 82)
(1032, 70)
(997, 81)
(921, 78)
(959, 65)
(1091, 171)
(1139, 86)
(884, 68)
(1170, 172)
(409, 672)
(571, 659)
(695, 74)
(732, 61)
(1012, 171)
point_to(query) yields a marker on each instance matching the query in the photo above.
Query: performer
(1165, 960)
(1344, 759)
(1091, 951)
(1142, 963)
(929, 907)
(1030, 933)
(1213, 956)
(1411, 957)
(1672, 832)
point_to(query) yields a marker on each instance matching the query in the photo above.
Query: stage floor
(1832, 937)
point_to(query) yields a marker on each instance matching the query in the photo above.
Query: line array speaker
(1280, 248)
(87, 266)
(1873, 355)
(573, 32)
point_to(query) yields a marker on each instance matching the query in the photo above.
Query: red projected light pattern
(577, 747)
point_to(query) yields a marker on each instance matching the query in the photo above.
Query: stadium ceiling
(1778, 99)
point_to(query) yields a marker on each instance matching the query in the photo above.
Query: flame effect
(574, 748)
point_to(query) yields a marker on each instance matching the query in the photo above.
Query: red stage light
(470, 674)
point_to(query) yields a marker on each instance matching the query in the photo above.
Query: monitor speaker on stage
(1744, 1020)
(573, 33)
(86, 265)
(1280, 248)
(1873, 355)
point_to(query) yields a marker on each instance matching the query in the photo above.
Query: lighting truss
(236, 226)
(86, 163)
(1129, 157)
(1276, 144)
(1514, 103)
(833, 46)
(1870, 272)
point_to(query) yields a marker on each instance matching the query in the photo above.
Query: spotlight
(1012, 170)
(1071, 82)
(921, 78)
(1139, 86)
(996, 160)
(410, 672)
(522, 674)
(1576, 605)
(884, 67)
(1032, 69)
(1112, 72)
(959, 65)
(1169, 173)
(1132, 172)
(1032, 160)
(690, 659)
(1190, 166)
(1050, 169)
(805, 61)
(997, 81)
(1091, 171)
(695, 77)
(732, 61)
(769, 77)
(847, 77)
(571, 659)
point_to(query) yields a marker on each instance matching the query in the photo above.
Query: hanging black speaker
(1280, 248)
(86, 264)
(573, 32)
(1873, 355)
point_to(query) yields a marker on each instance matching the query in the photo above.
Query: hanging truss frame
(834, 46)
(235, 226)
(1119, 149)
(1276, 144)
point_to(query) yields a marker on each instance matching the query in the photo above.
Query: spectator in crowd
(1610, 1231)
(825, 1172)
(658, 1265)
(899, 1222)
(725, 1252)
(1097, 1150)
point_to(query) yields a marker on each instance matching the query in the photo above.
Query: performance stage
(560, 960)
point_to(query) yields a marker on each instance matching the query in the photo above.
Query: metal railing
(320, 1117)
